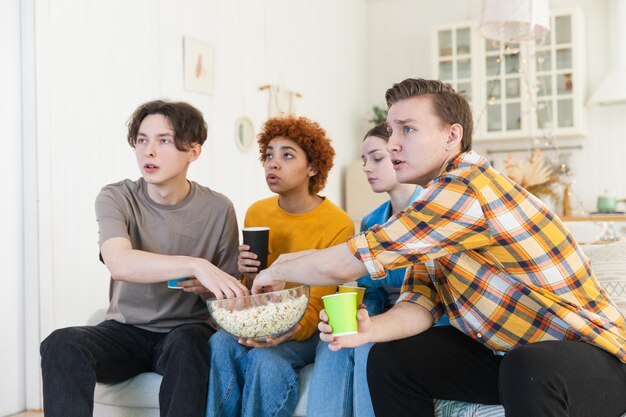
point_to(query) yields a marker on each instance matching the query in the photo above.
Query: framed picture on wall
(198, 66)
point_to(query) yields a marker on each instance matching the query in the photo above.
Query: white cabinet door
(532, 89)
(455, 57)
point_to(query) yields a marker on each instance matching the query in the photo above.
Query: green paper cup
(341, 311)
(360, 292)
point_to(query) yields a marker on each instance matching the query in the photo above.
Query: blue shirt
(380, 294)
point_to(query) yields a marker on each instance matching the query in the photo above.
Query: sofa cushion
(608, 263)
(304, 378)
(140, 391)
(127, 398)
(445, 408)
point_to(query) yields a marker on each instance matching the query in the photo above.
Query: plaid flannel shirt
(505, 268)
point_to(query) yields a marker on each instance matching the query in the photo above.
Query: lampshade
(515, 20)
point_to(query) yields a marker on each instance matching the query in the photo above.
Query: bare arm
(330, 266)
(403, 320)
(131, 265)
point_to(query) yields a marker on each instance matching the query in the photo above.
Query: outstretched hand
(265, 282)
(362, 336)
(194, 286)
(219, 282)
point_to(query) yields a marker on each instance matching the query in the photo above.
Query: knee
(527, 370)
(265, 362)
(324, 354)
(192, 338)
(221, 339)
(190, 334)
(63, 346)
(337, 363)
(378, 360)
(60, 340)
(222, 344)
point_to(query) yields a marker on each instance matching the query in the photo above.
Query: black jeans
(545, 379)
(74, 358)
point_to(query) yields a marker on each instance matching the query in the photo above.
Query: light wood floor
(28, 414)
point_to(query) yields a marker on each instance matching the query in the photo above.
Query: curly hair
(310, 137)
(187, 122)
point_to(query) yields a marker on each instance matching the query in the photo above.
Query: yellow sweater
(324, 226)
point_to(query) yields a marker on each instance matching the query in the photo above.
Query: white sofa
(138, 396)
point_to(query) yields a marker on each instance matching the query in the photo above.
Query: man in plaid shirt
(531, 327)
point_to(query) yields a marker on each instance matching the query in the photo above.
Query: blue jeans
(339, 383)
(255, 382)
(74, 358)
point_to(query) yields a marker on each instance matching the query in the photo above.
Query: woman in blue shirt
(339, 381)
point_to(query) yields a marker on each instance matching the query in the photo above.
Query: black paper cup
(258, 240)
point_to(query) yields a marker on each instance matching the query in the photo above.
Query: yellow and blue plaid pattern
(505, 268)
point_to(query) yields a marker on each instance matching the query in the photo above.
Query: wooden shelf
(609, 217)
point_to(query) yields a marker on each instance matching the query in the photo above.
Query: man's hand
(131, 265)
(194, 286)
(265, 282)
(217, 281)
(270, 341)
(362, 337)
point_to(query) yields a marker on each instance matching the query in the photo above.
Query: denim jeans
(75, 358)
(339, 383)
(255, 382)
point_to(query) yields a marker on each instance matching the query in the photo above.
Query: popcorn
(261, 321)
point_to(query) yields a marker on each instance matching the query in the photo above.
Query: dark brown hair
(187, 121)
(449, 106)
(379, 131)
(310, 137)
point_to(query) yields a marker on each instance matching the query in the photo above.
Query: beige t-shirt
(202, 225)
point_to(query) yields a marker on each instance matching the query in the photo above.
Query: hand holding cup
(336, 343)
(255, 249)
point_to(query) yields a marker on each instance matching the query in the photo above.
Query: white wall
(96, 61)
(400, 39)
(12, 388)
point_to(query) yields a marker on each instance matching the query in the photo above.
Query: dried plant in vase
(537, 175)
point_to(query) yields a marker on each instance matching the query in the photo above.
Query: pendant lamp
(514, 21)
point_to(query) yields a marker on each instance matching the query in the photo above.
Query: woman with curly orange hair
(252, 378)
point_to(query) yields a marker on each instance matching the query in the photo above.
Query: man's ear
(455, 137)
(194, 152)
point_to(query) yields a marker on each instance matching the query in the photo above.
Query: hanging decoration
(511, 23)
(515, 21)
(281, 101)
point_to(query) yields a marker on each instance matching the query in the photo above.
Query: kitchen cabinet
(455, 57)
(531, 89)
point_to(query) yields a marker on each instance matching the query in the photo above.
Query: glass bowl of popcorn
(260, 316)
